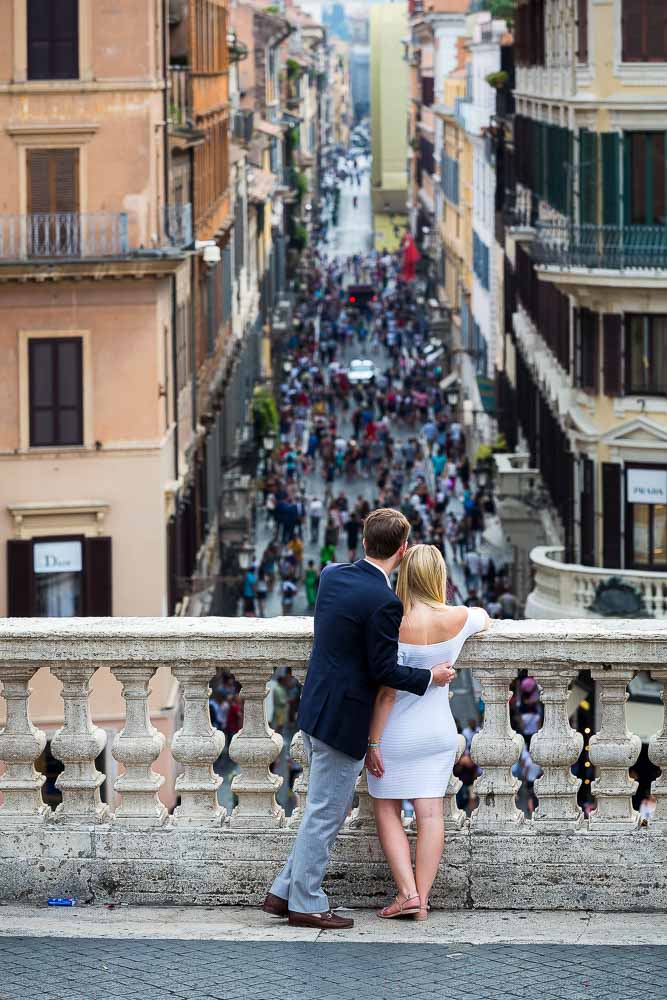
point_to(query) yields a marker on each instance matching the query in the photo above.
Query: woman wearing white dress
(412, 742)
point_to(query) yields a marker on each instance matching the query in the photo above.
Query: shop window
(646, 495)
(59, 577)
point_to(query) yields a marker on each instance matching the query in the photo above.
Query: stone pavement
(140, 953)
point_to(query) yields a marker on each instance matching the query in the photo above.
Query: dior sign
(57, 557)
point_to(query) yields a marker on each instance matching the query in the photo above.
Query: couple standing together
(377, 692)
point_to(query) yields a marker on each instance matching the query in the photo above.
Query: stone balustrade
(140, 853)
(568, 589)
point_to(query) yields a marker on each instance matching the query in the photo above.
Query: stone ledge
(578, 870)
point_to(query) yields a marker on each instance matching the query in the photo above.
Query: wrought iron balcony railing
(601, 247)
(87, 235)
(64, 234)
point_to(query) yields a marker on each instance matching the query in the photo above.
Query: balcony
(78, 236)
(600, 252)
(132, 849)
(567, 590)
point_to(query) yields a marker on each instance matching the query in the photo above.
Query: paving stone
(203, 970)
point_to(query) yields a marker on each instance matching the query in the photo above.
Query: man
(355, 652)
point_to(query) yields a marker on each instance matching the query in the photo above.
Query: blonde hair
(422, 577)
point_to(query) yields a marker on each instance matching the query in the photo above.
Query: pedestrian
(311, 581)
(288, 593)
(249, 584)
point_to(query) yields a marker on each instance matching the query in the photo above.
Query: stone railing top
(239, 642)
(546, 557)
(513, 462)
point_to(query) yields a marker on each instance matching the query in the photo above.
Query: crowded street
(363, 422)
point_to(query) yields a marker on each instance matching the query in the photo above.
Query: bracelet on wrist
(372, 745)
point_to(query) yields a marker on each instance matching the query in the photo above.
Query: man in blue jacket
(355, 652)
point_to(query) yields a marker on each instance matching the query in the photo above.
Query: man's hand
(443, 674)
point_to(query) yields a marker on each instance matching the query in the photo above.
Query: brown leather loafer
(322, 921)
(275, 905)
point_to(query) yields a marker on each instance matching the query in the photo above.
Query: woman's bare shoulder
(428, 625)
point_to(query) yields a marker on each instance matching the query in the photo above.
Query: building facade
(584, 354)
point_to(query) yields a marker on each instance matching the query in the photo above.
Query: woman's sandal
(397, 909)
(423, 911)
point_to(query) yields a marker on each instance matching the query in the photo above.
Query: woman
(412, 742)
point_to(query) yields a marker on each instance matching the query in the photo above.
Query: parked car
(361, 370)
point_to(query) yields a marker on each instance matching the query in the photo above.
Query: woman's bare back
(424, 625)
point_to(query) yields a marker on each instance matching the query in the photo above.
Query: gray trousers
(333, 776)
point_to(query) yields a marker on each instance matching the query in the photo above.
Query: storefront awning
(487, 394)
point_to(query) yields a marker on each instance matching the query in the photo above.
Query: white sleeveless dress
(418, 744)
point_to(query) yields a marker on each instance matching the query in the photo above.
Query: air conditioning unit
(242, 126)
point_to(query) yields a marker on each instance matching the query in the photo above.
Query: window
(646, 517)
(53, 39)
(53, 202)
(426, 155)
(644, 31)
(645, 178)
(586, 350)
(646, 354)
(480, 260)
(530, 32)
(449, 178)
(582, 31)
(56, 391)
(427, 91)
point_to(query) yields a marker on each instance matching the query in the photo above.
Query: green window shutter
(610, 142)
(588, 157)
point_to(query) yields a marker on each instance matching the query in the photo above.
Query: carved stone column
(197, 746)
(254, 748)
(496, 748)
(137, 747)
(657, 751)
(298, 752)
(454, 817)
(362, 819)
(555, 747)
(20, 746)
(613, 750)
(78, 744)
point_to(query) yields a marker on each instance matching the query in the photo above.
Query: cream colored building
(586, 354)
(389, 98)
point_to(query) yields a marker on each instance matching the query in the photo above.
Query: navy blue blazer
(355, 652)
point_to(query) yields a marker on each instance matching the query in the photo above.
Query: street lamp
(245, 555)
(269, 442)
(453, 397)
(482, 475)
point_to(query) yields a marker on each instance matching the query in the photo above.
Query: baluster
(496, 748)
(657, 752)
(254, 748)
(78, 744)
(137, 746)
(555, 747)
(197, 746)
(298, 753)
(454, 817)
(20, 746)
(362, 819)
(613, 750)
